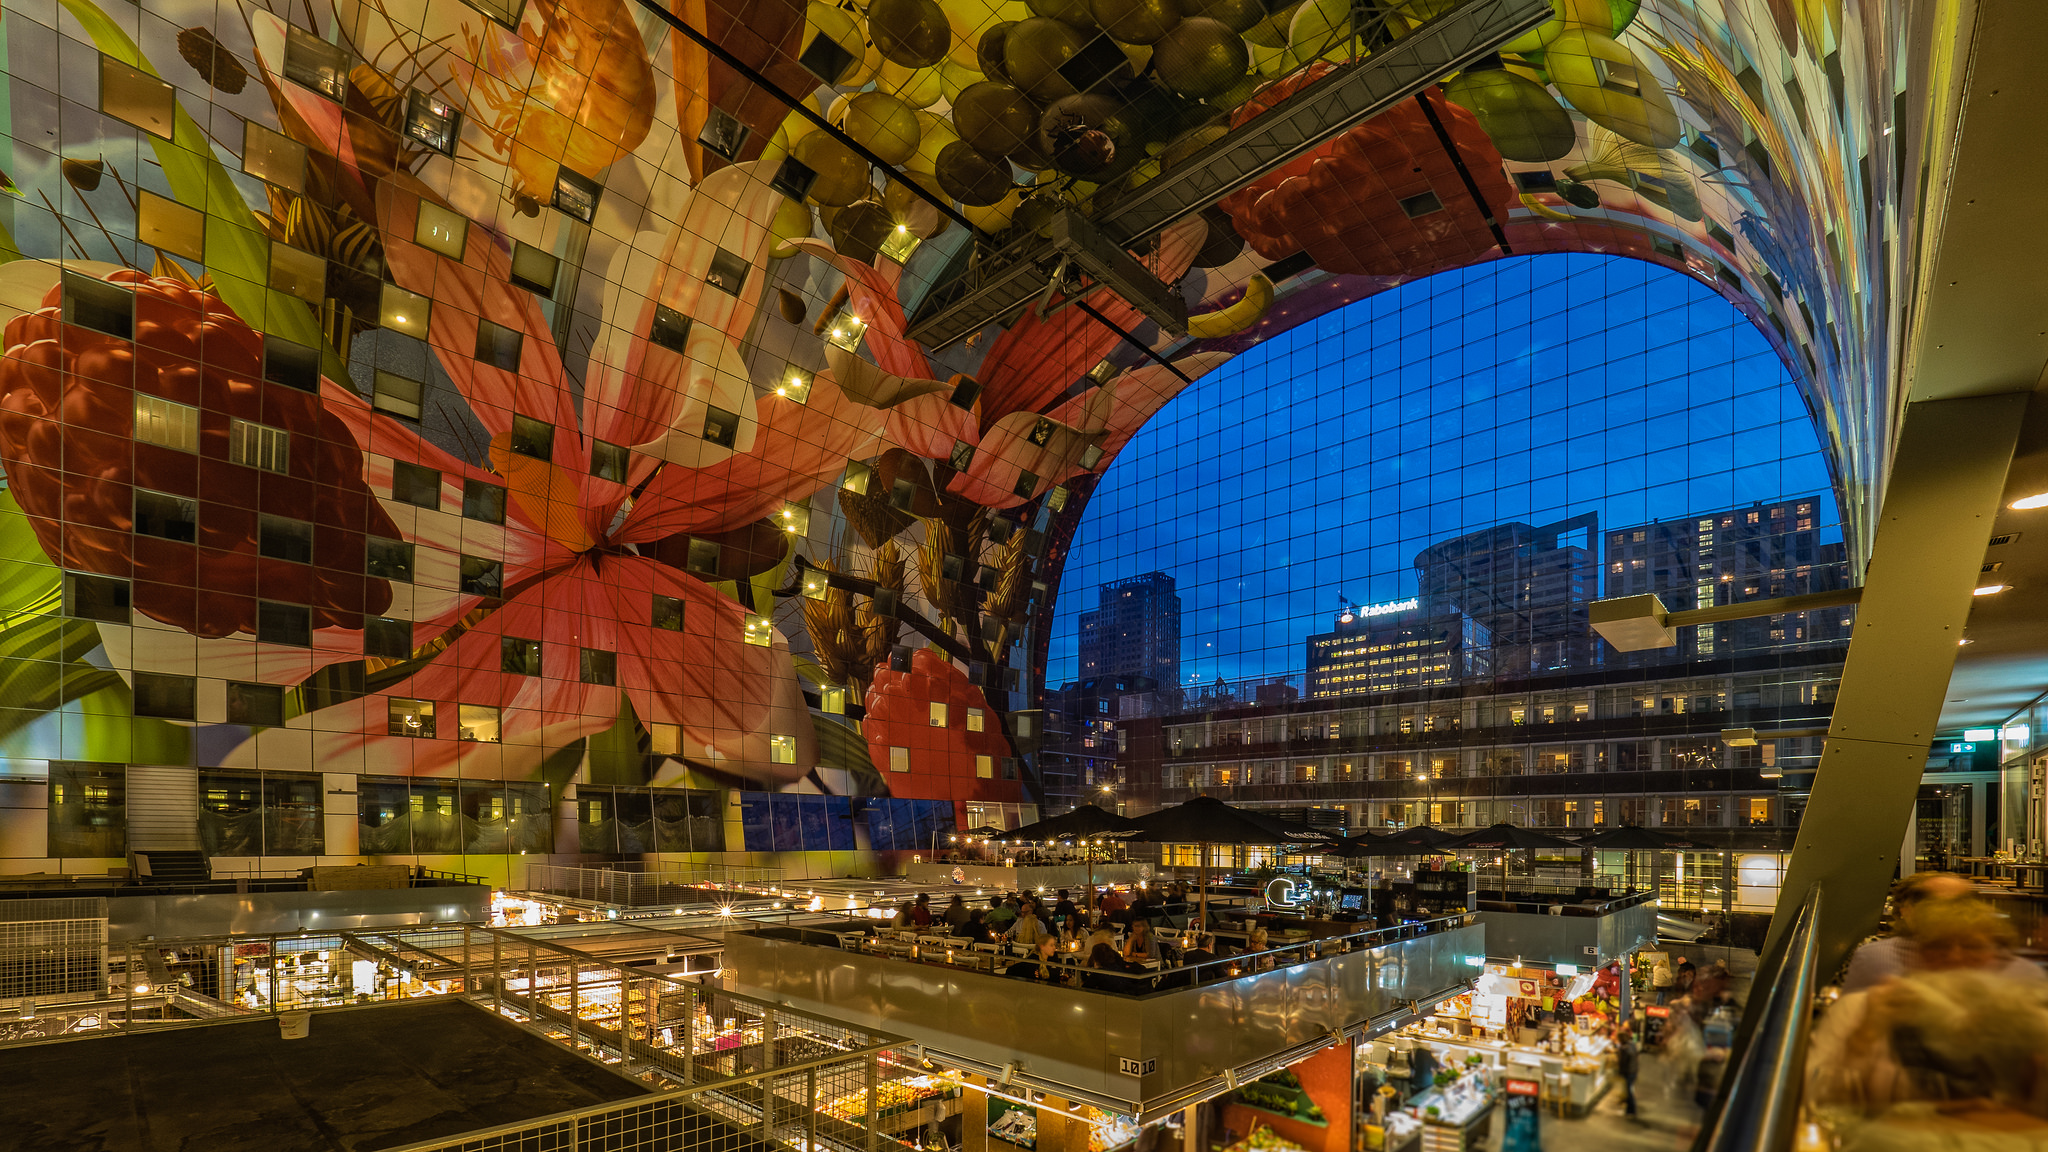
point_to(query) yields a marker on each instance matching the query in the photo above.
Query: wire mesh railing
(628, 887)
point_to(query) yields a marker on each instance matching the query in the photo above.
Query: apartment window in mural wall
(259, 814)
(471, 816)
(88, 810)
(648, 820)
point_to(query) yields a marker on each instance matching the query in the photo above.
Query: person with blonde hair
(1891, 956)
(1851, 1062)
(1970, 1054)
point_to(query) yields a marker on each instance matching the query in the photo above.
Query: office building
(1133, 630)
(1527, 585)
(1385, 652)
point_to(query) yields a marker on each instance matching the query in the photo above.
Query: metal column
(1948, 475)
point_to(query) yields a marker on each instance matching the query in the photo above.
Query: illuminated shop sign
(1391, 607)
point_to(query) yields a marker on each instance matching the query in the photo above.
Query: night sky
(1314, 467)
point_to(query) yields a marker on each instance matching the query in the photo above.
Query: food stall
(903, 1105)
(1496, 1031)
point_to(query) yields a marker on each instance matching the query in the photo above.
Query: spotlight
(1990, 589)
(2023, 504)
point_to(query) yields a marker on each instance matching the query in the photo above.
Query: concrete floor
(363, 1079)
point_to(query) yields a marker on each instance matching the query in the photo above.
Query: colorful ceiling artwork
(498, 389)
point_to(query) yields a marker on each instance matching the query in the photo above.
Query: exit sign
(1959, 749)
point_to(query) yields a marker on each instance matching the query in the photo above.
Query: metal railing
(1074, 971)
(629, 887)
(1758, 1109)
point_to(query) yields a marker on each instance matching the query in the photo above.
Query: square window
(857, 478)
(98, 305)
(482, 577)
(397, 395)
(671, 329)
(825, 58)
(796, 386)
(668, 613)
(985, 767)
(477, 723)
(273, 156)
(794, 178)
(1027, 483)
(388, 559)
(412, 484)
(259, 445)
(441, 230)
(1539, 181)
(782, 749)
(884, 603)
(965, 393)
(962, 455)
(608, 461)
(167, 697)
(1421, 204)
(722, 134)
(506, 12)
(135, 96)
(170, 226)
(387, 638)
(283, 538)
(576, 195)
(702, 557)
(315, 63)
(483, 501)
(721, 427)
(256, 705)
(938, 714)
(498, 346)
(403, 311)
(728, 273)
(413, 718)
(795, 519)
(297, 272)
(535, 269)
(518, 656)
(293, 365)
(900, 244)
(757, 631)
(431, 122)
(535, 438)
(92, 597)
(597, 666)
(845, 331)
(166, 423)
(975, 720)
(284, 624)
(166, 516)
(832, 701)
(665, 739)
(899, 759)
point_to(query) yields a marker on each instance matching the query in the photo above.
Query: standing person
(1112, 902)
(1064, 910)
(956, 912)
(1661, 979)
(1627, 1062)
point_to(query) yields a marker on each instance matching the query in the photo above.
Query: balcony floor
(362, 1079)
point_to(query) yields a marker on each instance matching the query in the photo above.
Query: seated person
(976, 930)
(1107, 971)
(1140, 944)
(1201, 950)
(1043, 965)
(1027, 930)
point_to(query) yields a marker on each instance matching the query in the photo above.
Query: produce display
(894, 1096)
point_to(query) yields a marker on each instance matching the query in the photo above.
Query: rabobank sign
(1391, 607)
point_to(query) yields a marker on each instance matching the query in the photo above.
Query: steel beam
(1948, 475)
(999, 283)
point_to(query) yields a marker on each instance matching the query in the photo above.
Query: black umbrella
(1506, 838)
(1633, 839)
(1206, 820)
(1414, 841)
(1085, 823)
(985, 832)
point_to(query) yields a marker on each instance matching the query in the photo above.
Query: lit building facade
(1528, 586)
(1134, 630)
(1389, 652)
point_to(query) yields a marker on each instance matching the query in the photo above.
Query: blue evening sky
(1317, 464)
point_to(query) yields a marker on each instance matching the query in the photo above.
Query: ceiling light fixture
(2028, 503)
(1990, 589)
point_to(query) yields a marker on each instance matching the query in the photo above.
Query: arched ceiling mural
(596, 373)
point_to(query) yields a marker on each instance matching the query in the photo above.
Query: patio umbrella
(1206, 820)
(1507, 838)
(1633, 839)
(1084, 823)
(1408, 842)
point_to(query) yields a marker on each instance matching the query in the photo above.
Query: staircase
(168, 866)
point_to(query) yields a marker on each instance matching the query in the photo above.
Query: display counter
(1264, 1139)
(1457, 1116)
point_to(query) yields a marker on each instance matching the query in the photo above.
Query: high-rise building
(1133, 630)
(1727, 557)
(1370, 651)
(1528, 586)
